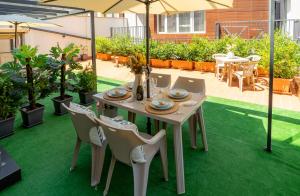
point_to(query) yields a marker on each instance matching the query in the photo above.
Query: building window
(188, 22)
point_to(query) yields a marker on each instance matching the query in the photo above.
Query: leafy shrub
(11, 96)
(104, 45)
(162, 51)
(123, 46)
(202, 49)
(286, 60)
(87, 80)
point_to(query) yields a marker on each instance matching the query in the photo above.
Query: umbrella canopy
(137, 6)
(21, 20)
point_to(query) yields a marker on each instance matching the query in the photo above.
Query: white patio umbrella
(147, 7)
(24, 21)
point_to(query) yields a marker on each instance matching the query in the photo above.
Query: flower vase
(136, 83)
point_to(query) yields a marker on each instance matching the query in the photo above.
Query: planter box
(32, 117)
(7, 127)
(282, 86)
(58, 107)
(262, 72)
(86, 98)
(121, 59)
(205, 66)
(103, 56)
(160, 63)
(178, 64)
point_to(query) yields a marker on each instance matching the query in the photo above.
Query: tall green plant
(61, 57)
(86, 80)
(203, 49)
(123, 46)
(104, 45)
(31, 66)
(11, 96)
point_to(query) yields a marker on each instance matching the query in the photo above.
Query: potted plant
(285, 61)
(104, 48)
(181, 58)
(161, 55)
(31, 69)
(86, 85)
(203, 52)
(11, 98)
(83, 56)
(122, 48)
(63, 62)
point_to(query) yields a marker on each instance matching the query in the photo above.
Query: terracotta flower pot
(262, 72)
(103, 56)
(178, 64)
(205, 66)
(282, 86)
(160, 63)
(122, 59)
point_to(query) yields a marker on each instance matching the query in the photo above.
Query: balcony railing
(137, 33)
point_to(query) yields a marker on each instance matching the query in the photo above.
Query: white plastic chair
(88, 130)
(163, 80)
(219, 65)
(123, 141)
(246, 73)
(194, 85)
(256, 59)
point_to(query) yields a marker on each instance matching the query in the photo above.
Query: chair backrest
(192, 85)
(163, 80)
(218, 55)
(248, 68)
(254, 58)
(82, 121)
(121, 141)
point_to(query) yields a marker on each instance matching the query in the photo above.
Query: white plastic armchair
(163, 80)
(122, 143)
(194, 85)
(88, 131)
(219, 65)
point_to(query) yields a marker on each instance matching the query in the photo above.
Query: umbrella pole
(271, 76)
(147, 3)
(16, 31)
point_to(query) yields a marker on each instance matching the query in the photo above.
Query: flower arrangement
(137, 63)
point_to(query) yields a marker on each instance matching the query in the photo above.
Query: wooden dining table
(177, 119)
(228, 65)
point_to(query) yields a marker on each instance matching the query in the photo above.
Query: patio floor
(214, 87)
(236, 163)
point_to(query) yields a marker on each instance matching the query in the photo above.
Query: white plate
(162, 104)
(178, 93)
(117, 92)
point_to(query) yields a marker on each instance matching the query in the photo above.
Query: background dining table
(228, 62)
(177, 119)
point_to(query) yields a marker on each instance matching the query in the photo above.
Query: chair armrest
(157, 137)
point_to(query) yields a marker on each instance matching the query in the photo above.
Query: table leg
(193, 132)
(177, 137)
(202, 126)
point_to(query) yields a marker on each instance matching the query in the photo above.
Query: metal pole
(147, 2)
(16, 31)
(93, 42)
(271, 75)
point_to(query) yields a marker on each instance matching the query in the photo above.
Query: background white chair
(194, 85)
(219, 65)
(122, 142)
(88, 130)
(246, 72)
(255, 58)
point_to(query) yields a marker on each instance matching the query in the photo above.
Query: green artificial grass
(236, 163)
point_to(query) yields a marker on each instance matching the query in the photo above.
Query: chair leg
(94, 180)
(100, 154)
(241, 84)
(164, 157)
(75, 155)
(109, 175)
(140, 175)
(193, 135)
(200, 118)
